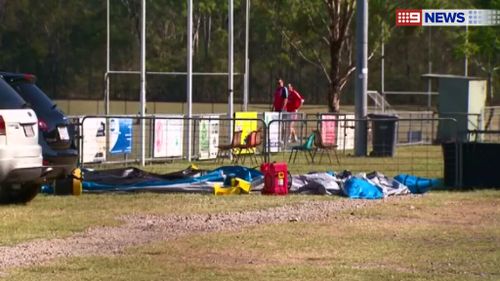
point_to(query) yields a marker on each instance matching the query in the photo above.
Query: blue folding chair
(306, 148)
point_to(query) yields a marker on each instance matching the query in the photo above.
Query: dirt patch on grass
(142, 229)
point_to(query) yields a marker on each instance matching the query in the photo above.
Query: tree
(482, 46)
(329, 43)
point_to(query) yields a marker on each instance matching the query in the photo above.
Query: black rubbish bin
(383, 134)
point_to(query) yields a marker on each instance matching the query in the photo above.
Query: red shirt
(280, 95)
(294, 101)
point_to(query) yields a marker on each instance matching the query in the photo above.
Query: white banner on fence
(94, 140)
(120, 135)
(274, 130)
(168, 137)
(208, 138)
(329, 129)
(345, 136)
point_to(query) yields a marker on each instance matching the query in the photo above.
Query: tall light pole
(247, 60)
(361, 85)
(230, 80)
(108, 63)
(189, 75)
(143, 83)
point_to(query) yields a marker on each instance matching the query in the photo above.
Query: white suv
(21, 170)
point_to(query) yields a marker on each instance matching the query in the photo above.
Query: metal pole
(189, 76)
(108, 64)
(361, 85)
(382, 70)
(247, 61)
(466, 61)
(429, 70)
(230, 81)
(143, 82)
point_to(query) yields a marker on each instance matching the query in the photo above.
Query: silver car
(21, 168)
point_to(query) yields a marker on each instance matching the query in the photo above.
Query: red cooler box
(275, 178)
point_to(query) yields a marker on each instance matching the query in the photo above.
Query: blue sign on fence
(120, 135)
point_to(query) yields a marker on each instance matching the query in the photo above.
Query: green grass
(56, 216)
(441, 236)
(419, 160)
(49, 216)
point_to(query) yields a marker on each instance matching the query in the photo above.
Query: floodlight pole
(189, 75)
(361, 86)
(247, 61)
(230, 81)
(466, 60)
(382, 68)
(108, 67)
(143, 83)
(429, 70)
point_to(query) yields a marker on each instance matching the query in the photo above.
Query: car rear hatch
(51, 121)
(19, 130)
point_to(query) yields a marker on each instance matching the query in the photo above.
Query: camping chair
(324, 148)
(226, 150)
(248, 147)
(306, 148)
(258, 143)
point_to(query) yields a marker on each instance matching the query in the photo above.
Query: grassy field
(420, 160)
(440, 236)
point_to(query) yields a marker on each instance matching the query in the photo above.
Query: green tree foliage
(307, 42)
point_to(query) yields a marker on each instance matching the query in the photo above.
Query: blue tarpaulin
(133, 179)
(358, 188)
(417, 185)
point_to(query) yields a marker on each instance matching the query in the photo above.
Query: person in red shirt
(280, 97)
(295, 101)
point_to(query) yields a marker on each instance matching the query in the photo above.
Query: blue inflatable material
(417, 185)
(217, 175)
(240, 172)
(357, 188)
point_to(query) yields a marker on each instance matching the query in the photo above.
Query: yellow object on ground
(238, 186)
(77, 179)
(71, 185)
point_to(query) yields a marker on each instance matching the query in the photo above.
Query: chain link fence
(408, 143)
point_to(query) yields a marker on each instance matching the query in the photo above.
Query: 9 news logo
(417, 17)
(408, 17)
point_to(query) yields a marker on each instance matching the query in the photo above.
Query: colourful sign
(168, 137)
(120, 135)
(329, 129)
(208, 138)
(245, 126)
(94, 140)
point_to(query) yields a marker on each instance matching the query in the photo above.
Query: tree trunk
(334, 89)
(334, 98)
(489, 90)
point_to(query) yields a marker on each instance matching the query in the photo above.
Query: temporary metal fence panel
(168, 136)
(387, 154)
(280, 136)
(116, 139)
(207, 135)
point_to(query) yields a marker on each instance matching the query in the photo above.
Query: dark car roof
(9, 98)
(25, 86)
(12, 77)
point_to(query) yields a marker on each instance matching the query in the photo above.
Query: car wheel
(18, 193)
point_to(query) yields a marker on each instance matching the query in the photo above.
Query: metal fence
(395, 146)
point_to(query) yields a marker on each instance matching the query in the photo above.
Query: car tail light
(2, 126)
(45, 162)
(29, 77)
(42, 125)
